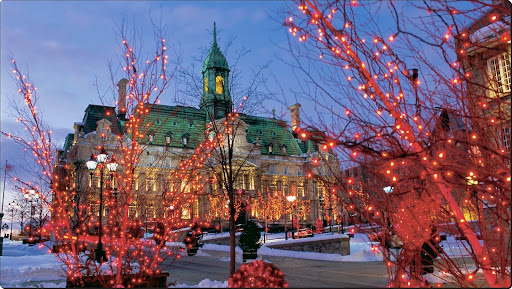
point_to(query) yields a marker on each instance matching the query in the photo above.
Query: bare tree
(412, 100)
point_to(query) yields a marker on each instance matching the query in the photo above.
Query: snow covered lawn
(22, 265)
(28, 266)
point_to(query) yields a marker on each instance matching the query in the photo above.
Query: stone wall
(340, 245)
(222, 240)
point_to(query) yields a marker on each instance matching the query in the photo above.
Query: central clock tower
(216, 98)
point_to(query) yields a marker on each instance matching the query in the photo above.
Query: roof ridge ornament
(214, 33)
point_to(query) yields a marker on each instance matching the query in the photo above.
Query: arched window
(206, 84)
(219, 84)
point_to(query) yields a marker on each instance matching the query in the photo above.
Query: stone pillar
(121, 105)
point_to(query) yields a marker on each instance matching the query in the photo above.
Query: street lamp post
(31, 196)
(330, 213)
(12, 206)
(342, 222)
(102, 159)
(290, 199)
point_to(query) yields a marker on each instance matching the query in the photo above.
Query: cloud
(51, 44)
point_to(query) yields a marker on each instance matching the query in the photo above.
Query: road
(299, 273)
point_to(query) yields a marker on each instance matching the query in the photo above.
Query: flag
(8, 167)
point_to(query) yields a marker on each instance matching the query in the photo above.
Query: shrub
(258, 274)
(250, 238)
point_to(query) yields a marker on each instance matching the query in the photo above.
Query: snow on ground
(206, 283)
(21, 263)
(29, 267)
(360, 249)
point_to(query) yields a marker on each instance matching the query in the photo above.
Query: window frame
(501, 83)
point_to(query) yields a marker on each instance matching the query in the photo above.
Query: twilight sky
(65, 47)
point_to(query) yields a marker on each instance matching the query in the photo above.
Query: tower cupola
(216, 98)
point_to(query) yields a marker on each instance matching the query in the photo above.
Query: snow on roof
(489, 32)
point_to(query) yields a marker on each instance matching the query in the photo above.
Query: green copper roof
(179, 121)
(94, 113)
(215, 58)
(68, 142)
(175, 122)
(270, 131)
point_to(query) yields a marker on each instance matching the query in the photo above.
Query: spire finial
(214, 33)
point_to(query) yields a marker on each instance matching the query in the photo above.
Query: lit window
(151, 185)
(206, 84)
(185, 212)
(499, 74)
(151, 138)
(283, 149)
(132, 210)
(506, 138)
(219, 85)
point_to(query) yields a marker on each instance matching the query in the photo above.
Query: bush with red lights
(258, 274)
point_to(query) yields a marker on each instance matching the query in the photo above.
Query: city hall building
(270, 155)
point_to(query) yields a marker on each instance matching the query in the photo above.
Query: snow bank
(21, 263)
(206, 283)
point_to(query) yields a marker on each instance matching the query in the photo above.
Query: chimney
(121, 105)
(295, 114)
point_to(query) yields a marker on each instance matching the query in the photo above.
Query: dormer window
(283, 149)
(151, 137)
(184, 139)
(168, 138)
(270, 148)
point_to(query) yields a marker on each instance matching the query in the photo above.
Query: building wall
(284, 174)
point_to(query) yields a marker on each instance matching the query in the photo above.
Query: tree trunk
(231, 232)
(265, 239)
